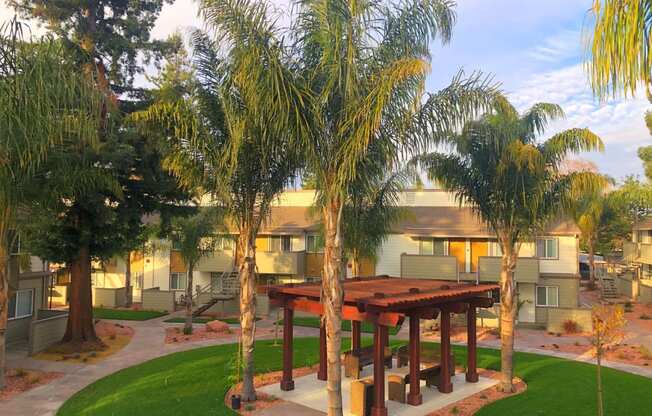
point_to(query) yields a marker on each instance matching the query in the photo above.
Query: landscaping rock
(217, 326)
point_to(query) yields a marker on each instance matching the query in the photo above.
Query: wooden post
(356, 333)
(471, 345)
(322, 374)
(414, 397)
(287, 383)
(378, 408)
(445, 385)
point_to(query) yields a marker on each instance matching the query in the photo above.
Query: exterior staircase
(609, 290)
(209, 296)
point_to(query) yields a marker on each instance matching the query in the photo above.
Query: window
(137, 281)
(547, 296)
(495, 295)
(21, 304)
(314, 243)
(547, 248)
(433, 246)
(224, 242)
(177, 281)
(494, 249)
(279, 243)
(176, 243)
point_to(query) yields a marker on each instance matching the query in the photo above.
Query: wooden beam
(287, 383)
(445, 385)
(482, 302)
(378, 408)
(472, 350)
(457, 307)
(414, 396)
(349, 313)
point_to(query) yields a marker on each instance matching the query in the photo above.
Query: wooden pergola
(386, 301)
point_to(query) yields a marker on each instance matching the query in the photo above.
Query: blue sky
(534, 48)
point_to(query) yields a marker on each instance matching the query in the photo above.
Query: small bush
(645, 317)
(112, 337)
(33, 379)
(628, 304)
(249, 407)
(646, 354)
(187, 331)
(571, 327)
(20, 373)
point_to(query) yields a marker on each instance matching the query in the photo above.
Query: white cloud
(559, 47)
(618, 122)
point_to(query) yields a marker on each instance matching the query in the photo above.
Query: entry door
(457, 248)
(479, 248)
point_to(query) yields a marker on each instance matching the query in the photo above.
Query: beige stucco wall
(624, 285)
(109, 297)
(47, 331)
(389, 254)
(157, 265)
(568, 295)
(557, 317)
(18, 330)
(645, 291)
(157, 300)
(429, 267)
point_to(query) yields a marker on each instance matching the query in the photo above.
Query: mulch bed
(470, 405)
(18, 381)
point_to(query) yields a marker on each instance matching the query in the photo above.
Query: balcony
(219, 261)
(527, 269)
(429, 267)
(288, 262)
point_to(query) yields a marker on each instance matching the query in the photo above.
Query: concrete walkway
(147, 343)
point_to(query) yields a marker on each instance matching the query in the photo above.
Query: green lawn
(194, 383)
(313, 322)
(125, 314)
(195, 320)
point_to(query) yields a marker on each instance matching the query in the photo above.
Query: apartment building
(637, 283)
(438, 239)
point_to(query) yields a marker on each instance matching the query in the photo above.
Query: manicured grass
(235, 321)
(313, 322)
(180, 320)
(126, 314)
(194, 382)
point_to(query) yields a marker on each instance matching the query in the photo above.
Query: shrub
(571, 327)
(645, 317)
(33, 378)
(249, 407)
(20, 373)
(187, 331)
(646, 354)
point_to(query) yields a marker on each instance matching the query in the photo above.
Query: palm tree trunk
(332, 298)
(80, 330)
(355, 264)
(187, 328)
(247, 269)
(591, 263)
(129, 298)
(4, 305)
(508, 303)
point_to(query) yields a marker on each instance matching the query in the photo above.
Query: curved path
(148, 343)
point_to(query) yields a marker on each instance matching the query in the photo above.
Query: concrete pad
(289, 409)
(310, 392)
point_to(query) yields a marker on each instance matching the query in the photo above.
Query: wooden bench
(426, 356)
(356, 360)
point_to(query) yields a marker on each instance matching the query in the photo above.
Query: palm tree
(589, 210)
(43, 102)
(620, 48)
(353, 75)
(195, 238)
(512, 181)
(370, 213)
(228, 144)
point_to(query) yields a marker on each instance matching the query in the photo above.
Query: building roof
(425, 221)
(384, 293)
(645, 224)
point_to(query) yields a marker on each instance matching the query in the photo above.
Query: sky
(535, 49)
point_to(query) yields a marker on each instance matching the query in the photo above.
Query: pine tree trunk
(508, 304)
(599, 373)
(4, 305)
(187, 328)
(80, 331)
(247, 270)
(591, 263)
(332, 299)
(129, 296)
